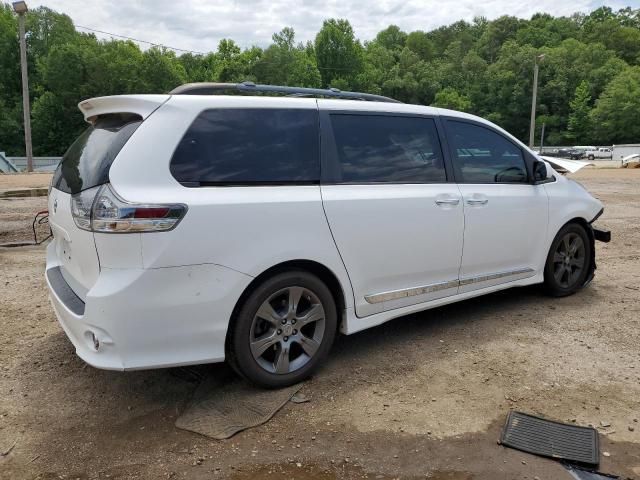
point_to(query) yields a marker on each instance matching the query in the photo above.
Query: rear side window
(387, 149)
(481, 155)
(249, 147)
(86, 164)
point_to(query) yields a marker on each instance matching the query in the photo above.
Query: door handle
(448, 201)
(477, 201)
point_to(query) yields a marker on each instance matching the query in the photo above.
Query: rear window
(388, 149)
(86, 164)
(249, 147)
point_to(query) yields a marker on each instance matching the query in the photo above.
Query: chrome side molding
(410, 292)
(436, 287)
(494, 276)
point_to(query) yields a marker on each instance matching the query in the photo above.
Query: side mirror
(539, 172)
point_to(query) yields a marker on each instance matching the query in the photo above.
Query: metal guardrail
(6, 165)
(38, 162)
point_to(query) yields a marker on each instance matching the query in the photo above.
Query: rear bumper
(78, 330)
(149, 318)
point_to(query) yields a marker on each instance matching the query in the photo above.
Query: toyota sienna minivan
(198, 227)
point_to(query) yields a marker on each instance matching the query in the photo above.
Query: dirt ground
(423, 396)
(16, 213)
(24, 180)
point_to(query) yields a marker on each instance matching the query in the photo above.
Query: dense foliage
(589, 78)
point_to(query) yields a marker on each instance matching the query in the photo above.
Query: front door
(505, 215)
(396, 220)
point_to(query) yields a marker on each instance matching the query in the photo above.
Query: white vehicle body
(631, 161)
(601, 152)
(158, 299)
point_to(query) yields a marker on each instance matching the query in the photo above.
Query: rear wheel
(568, 261)
(284, 330)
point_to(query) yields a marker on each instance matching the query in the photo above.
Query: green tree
(285, 63)
(616, 116)
(618, 31)
(161, 71)
(47, 29)
(11, 132)
(496, 34)
(55, 112)
(450, 98)
(419, 43)
(9, 55)
(392, 38)
(233, 64)
(199, 68)
(464, 32)
(338, 52)
(544, 30)
(579, 126)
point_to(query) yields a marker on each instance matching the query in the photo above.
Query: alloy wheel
(287, 330)
(569, 260)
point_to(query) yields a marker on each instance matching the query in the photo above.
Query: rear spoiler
(143, 105)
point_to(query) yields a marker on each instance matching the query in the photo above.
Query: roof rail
(207, 88)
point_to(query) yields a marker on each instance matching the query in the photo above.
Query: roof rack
(207, 88)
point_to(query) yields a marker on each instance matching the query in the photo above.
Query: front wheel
(284, 330)
(568, 261)
(591, 157)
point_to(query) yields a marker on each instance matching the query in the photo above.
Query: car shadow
(148, 390)
(488, 317)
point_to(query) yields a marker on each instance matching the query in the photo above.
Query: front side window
(387, 149)
(481, 155)
(249, 146)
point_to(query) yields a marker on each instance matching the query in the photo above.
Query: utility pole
(532, 127)
(21, 8)
(542, 138)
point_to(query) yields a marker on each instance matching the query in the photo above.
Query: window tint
(86, 164)
(249, 146)
(381, 148)
(481, 155)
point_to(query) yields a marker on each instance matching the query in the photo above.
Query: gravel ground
(24, 180)
(16, 213)
(424, 396)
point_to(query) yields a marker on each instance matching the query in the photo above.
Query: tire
(569, 261)
(591, 157)
(284, 330)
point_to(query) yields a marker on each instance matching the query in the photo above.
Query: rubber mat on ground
(551, 439)
(221, 410)
(582, 474)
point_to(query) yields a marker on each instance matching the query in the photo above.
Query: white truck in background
(603, 153)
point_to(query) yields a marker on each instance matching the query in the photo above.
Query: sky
(198, 25)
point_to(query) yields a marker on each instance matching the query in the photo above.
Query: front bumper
(137, 318)
(602, 235)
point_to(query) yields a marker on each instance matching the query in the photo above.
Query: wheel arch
(325, 274)
(587, 227)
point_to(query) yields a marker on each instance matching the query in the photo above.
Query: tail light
(100, 209)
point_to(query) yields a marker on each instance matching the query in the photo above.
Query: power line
(153, 44)
(138, 40)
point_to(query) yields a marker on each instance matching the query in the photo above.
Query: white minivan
(195, 227)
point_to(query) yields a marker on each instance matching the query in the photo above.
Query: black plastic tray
(551, 439)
